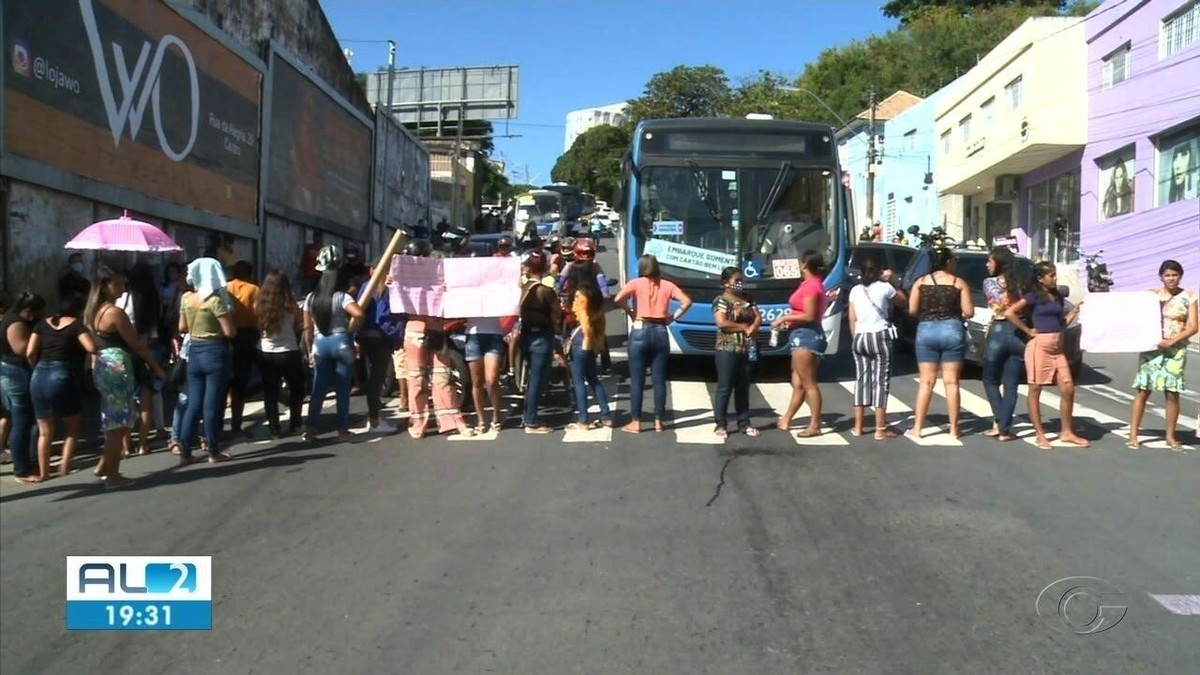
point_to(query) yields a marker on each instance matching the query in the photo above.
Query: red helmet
(585, 247)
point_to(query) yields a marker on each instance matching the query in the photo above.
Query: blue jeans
(584, 373)
(943, 341)
(735, 370)
(648, 345)
(181, 406)
(14, 387)
(209, 363)
(539, 354)
(334, 368)
(54, 390)
(1002, 366)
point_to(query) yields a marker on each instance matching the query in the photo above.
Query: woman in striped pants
(872, 345)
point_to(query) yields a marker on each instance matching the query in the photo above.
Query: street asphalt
(650, 553)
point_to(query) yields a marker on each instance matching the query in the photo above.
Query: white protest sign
(690, 257)
(1120, 322)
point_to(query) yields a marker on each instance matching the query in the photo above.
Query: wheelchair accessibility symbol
(752, 270)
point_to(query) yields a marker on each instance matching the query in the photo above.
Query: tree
(768, 94)
(594, 160)
(908, 10)
(684, 91)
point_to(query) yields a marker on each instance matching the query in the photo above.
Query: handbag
(891, 331)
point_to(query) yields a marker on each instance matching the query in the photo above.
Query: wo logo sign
(141, 86)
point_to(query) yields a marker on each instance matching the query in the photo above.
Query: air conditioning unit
(1008, 187)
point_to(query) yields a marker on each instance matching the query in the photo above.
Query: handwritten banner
(1120, 322)
(481, 287)
(455, 287)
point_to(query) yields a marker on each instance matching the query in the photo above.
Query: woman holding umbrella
(117, 345)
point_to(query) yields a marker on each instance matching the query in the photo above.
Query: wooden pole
(382, 267)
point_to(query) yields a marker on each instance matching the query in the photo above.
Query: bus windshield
(698, 220)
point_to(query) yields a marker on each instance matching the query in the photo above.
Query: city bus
(756, 194)
(574, 206)
(543, 207)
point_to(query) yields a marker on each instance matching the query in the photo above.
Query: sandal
(720, 432)
(497, 426)
(607, 424)
(751, 431)
(808, 433)
(175, 448)
(539, 429)
(885, 434)
(580, 426)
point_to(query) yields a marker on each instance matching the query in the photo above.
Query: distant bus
(756, 194)
(544, 208)
(574, 203)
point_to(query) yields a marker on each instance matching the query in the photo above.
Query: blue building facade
(905, 178)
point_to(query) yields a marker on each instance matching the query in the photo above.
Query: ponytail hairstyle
(70, 306)
(871, 270)
(941, 260)
(28, 300)
(648, 267)
(813, 262)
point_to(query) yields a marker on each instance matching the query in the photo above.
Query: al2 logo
(142, 85)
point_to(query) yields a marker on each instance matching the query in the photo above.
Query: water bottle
(774, 342)
(752, 349)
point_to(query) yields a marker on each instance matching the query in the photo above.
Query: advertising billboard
(427, 95)
(320, 170)
(130, 93)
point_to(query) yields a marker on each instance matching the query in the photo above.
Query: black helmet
(455, 240)
(505, 242)
(418, 248)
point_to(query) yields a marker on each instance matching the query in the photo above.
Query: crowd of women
(210, 331)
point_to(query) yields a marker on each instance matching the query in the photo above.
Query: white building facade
(579, 121)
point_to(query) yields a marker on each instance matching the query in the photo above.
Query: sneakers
(384, 427)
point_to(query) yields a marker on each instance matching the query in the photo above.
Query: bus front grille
(706, 341)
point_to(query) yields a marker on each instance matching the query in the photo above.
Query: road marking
(601, 435)
(1126, 398)
(895, 405)
(777, 395)
(1179, 605)
(691, 403)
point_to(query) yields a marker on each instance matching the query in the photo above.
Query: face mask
(77, 267)
(737, 286)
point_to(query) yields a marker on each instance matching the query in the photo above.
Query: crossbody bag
(891, 331)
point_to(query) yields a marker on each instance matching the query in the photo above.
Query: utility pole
(871, 161)
(391, 73)
(454, 197)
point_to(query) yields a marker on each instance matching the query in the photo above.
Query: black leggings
(288, 366)
(377, 353)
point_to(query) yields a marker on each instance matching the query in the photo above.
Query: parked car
(972, 267)
(890, 256)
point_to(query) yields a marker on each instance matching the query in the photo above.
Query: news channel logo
(21, 62)
(139, 593)
(1082, 605)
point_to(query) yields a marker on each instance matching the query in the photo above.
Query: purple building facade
(1140, 171)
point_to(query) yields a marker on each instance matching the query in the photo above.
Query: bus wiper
(714, 209)
(769, 203)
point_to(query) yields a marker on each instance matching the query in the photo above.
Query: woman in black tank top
(56, 350)
(941, 301)
(15, 374)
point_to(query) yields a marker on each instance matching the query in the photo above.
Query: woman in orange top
(648, 341)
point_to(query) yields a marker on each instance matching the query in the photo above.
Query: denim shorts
(482, 344)
(941, 341)
(54, 390)
(808, 337)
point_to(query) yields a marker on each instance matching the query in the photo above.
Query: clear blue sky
(580, 53)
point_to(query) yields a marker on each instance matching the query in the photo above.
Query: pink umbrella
(123, 234)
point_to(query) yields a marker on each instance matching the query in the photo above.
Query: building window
(1054, 219)
(1116, 67)
(988, 111)
(1014, 91)
(1179, 164)
(1116, 183)
(946, 142)
(964, 129)
(1180, 29)
(910, 141)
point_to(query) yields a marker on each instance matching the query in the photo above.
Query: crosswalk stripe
(692, 404)
(895, 405)
(1126, 398)
(601, 435)
(778, 394)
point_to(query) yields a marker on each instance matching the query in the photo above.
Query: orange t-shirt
(651, 300)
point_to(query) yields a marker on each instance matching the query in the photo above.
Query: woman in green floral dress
(1163, 369)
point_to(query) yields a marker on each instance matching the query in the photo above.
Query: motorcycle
(935, 238)
(1099, 280)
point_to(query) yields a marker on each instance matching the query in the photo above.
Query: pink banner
(1120, 322)
(481, 287)
(418, 286)
(456, 287)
